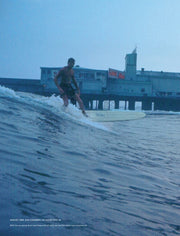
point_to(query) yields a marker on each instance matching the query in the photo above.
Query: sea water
(62, 174)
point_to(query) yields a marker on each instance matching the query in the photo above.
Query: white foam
(57, 105)
(6, 92)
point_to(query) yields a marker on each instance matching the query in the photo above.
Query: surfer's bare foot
(84, 113)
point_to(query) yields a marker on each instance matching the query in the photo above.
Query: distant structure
(129, 82)
(131, 62)
(155, 90)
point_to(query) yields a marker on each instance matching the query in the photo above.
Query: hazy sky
(97, 33)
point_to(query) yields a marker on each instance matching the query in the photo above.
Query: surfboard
(113, 115)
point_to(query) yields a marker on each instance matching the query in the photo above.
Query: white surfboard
(114, 115)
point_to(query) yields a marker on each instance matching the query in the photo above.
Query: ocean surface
(62, 174)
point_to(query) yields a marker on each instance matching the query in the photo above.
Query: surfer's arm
(57, 84)
(75, 83)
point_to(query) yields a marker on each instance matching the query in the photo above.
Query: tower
(130, 69)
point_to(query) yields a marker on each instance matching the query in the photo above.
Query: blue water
(61, 174)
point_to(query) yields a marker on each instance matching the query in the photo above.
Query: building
(89, 80)
(124, 83)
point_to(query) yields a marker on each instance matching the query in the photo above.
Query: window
(100, 74)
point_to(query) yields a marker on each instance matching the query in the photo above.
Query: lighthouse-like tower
(130, 67)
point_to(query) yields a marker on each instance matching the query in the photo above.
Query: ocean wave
(55, 104)
(7, 92)
(54, 166)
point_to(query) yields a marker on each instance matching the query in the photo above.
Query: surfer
(65, 87)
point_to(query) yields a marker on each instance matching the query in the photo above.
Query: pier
(95, 101)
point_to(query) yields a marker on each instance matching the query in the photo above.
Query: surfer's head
(71, 62)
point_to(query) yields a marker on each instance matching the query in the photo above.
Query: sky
(97, 33)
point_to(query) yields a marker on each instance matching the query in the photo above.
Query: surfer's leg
(80, 102)
(64, 96)
(65, 100)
